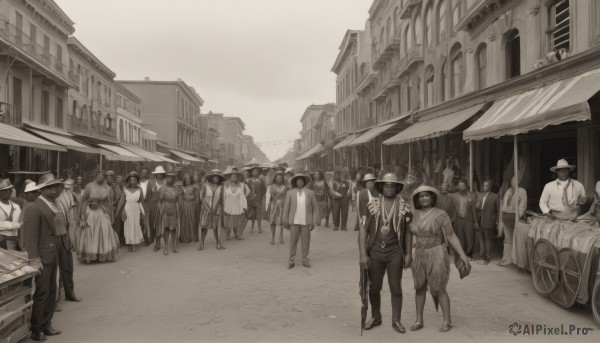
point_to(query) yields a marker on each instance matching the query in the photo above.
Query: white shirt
(144, 184)
(300, 215)
(552, 196)
(9, 228)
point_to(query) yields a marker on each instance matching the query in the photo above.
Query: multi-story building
(172, 110)
(233, 133)
(129, 116)
(36, 78)
(317, 137)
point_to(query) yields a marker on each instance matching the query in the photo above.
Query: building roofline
(129, 93)
(350, 38)
(82, 50)
(239, 120)
(188, 89)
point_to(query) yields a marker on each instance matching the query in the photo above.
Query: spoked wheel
(565, 293)
(544, 267)
(596, 302)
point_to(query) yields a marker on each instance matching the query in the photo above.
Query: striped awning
(310, 152)
(116, 153)
(67, 142)
(14, 136)
(185, 156)
(143, 153)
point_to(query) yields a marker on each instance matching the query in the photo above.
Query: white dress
(133, 209)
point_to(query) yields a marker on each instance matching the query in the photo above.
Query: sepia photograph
(299, 171)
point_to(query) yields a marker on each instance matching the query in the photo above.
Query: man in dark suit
(487, 205)
(146, 190)
(300, 214)
(40, 223)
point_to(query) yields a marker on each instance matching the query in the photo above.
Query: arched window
(428, 29)
(560, 25)
(441, 20)
(456, 12)
(363, 70)
(396, 19)
(382, 40)
(418, 31)
(513, 54)
(407, 39)
(443, 81)
(388, 29)
(75, 111)
(456, 72)
(482, 67)
(429, 78)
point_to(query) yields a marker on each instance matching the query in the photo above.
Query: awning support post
(58, 164)
(471, 165)
(516, 170)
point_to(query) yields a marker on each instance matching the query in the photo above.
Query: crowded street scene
(299, 171)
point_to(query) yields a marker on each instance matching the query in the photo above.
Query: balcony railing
(17, 37)
(414, 55)
(79, 126)
(10, 114)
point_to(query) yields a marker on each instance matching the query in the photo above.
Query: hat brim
(569, 166)
(209, 177)
(379, 185)
(295, 178)
(50, 183)
(373, 179)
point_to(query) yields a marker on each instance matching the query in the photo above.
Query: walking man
(488, 207)
(300, 214)
(385, 245)
(43, 220)
(340, 206)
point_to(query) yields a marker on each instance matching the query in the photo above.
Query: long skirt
(208, 222)
(275, 211)
(188, 222)
(432, 267)
(323, 209)
(234, 221)
(99, 242)
(132, 226)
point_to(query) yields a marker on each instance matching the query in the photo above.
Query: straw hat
(109, 173)
(389, 178)
(422, 189)
(132, 174)
(213, 173)
(299, 176)
(289, 171)
(231, 170)
(369, 177)
(5, 184)
(30, 187)
(159, 170)
(69, 183)
(48, 180)
(562, 164)
(171, 171)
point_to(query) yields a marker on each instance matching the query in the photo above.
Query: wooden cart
(564, 262)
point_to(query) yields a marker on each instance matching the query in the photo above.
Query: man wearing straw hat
(562, 198)
(9, 216)
(43, 224)
(152, 201)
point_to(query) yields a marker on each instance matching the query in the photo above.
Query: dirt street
(246, 293)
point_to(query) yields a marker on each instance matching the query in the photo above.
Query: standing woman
(190, 205)
(152, 199)
(232, 199)
(431, 266)
(321, 189)
(274, 204)
(133, 211)
(169, 212)
(258, 188)
(210, 214)
(198, 179)
(99, 242)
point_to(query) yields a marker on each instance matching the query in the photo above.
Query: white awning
(14, 136)
(185, 156)
(119, 154)
(310, 152)
(67, 142)
(143, 153)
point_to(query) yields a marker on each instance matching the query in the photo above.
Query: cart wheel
(544, 267)
(569, 279)
(596, 302)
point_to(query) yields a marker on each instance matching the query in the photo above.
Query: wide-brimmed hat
(5, 184)
(389, 178)
(171, 171)
(109, 172)
(562, 164)
(48, 180)
(299, 176)
(369, 177)
(69, 183)
(213, 173)
(422, 189)
(159, 170)
(289, 171)
(30, 187)
(132, 174)
(231, 170)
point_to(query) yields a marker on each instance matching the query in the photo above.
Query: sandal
(416, 326)
(446, 327)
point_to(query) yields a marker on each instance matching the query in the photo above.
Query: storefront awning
(371, 134)
(553, 104)
(344, 142)
(143, 153)
(14, 136)
(168, 160)
(67, 142)
(308, 153)
(436, 127)
(116, 153)
(185, 156)
(213, 161)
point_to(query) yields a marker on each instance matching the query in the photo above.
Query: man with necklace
(385, 244)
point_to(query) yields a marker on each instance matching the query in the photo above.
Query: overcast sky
(262, 60)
